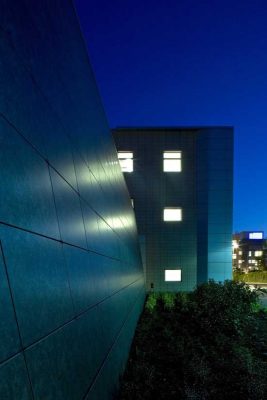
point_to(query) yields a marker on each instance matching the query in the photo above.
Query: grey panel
(63, 365)
(91, 227)
(103, 387)
(14, 383)
(9, 343)
(87, 279)
(26, 192)
(39, 282)
(59, 153)
(69, 212)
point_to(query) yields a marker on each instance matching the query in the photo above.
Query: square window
(172, 214)
(258, 253)
(172, 161)
(126, 161)
(173, 275)
(256, 235)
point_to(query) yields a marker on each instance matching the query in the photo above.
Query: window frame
(124, 160)
(167, 219)
(172, 157)
(170, 273)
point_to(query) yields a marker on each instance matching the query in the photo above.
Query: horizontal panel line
(76, 317)
(111, 347)
(57, 240)
(55, 169)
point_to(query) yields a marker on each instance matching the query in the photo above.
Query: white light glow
(235, 244)
(172, 154)
(126, 161)
(172, 165)
(173, 275)
(258, 253)
(126, 165)
(172, 161)
(125, 154)
(256, 235)
(172, 214)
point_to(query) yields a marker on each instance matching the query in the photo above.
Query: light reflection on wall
(75, 274)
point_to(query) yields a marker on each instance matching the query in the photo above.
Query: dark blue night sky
(188, 62)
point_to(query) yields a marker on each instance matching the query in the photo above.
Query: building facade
(181, 182)
(71, 278)
(249, 251)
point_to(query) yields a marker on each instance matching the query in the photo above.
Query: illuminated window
(240, 253)
(256, 235)
(249, 253)
(239, 261)
(258, 253)
(172, 161)
(173, 275)
(172, 214)
(126, 161)
(234, 256)
(132, 201)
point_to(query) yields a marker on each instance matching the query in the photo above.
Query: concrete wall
(71, 280)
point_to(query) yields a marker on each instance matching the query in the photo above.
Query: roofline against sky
(170, 128)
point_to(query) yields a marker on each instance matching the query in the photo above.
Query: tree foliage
(208, 344)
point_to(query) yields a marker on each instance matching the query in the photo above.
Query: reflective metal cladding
(71, 278)
(181, 185)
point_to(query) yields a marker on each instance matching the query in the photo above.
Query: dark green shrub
(207, 344)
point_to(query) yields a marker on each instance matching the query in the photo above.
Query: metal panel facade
(71, 278)
(200, 244)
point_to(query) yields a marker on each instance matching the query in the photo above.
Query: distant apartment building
(249, 251)
(180, 181)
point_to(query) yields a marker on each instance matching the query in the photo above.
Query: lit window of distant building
(240, 253)
(256, 235)
(235, 244)
(239, 261)
(172, 161)
(249, 253)
(173, 275)
(126, 161)
(258, 253)
(172, 214)
(234, 256)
